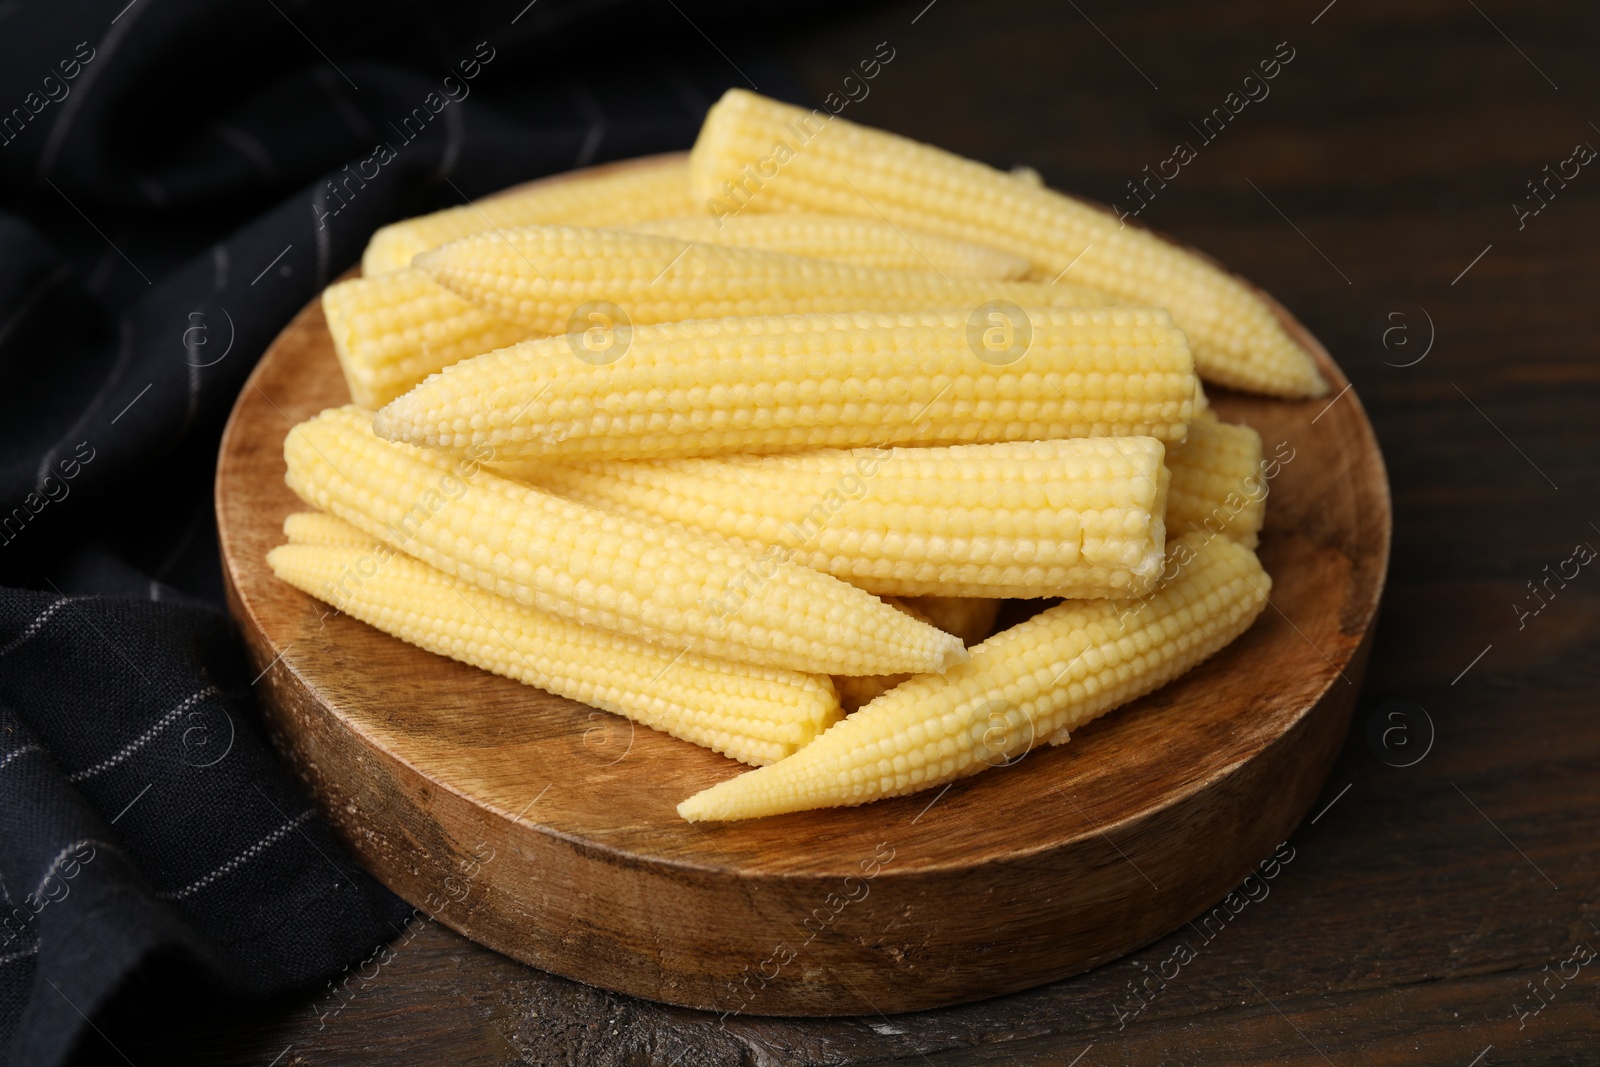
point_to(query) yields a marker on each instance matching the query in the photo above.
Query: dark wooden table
(1434, 912)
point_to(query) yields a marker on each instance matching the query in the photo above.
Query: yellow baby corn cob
(863, 242)
(1217, 484)
(320, 528)
(759, 155)
(793, 382)
(541, 276)
(1075, 518)
(1026, 685)
(391, 332)
(754, 714)
(969, 618)
(650, 580)
(653, 189)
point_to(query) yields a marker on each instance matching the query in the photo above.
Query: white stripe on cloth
(33, 627)
(241, 859)
(61, 857)
(34, 951)
(14, 753)
(143, 739)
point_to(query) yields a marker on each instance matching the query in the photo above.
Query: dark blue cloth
(166, 205)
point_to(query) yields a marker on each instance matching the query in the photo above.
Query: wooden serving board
(545, 829)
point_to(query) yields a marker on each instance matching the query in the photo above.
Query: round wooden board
(546, 830)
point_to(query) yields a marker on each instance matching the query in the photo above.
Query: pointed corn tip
(727, 800)
(385, 424)
(1314, 384)
(275, 559)
(428, 261)
(953, 653)
(737, 95)
(686, 810)
(696, 809)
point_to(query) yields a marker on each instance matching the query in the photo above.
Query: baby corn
(789, 383)
(542, 277)
(1075, 518)
(391, 332)
(759, 155)
(653, 189)
(1217, 484)
(1032, 683)
(650, 580)
(754, 714)
(320, 528)
(862, 242)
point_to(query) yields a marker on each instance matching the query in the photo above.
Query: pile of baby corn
(739, 445)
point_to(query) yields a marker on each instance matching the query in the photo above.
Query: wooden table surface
(1443, 904)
